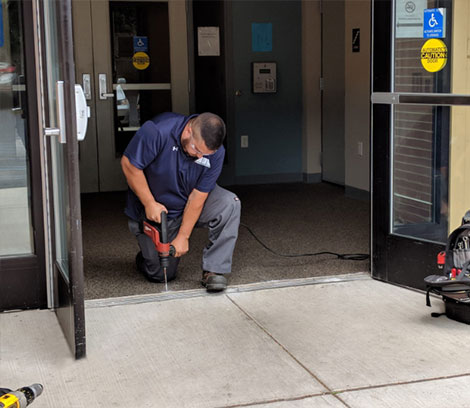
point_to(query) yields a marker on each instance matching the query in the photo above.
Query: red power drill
(159, 237)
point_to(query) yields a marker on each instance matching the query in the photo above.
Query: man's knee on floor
(154, 272)
(159, 277)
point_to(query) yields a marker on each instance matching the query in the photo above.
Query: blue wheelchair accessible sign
(141, 44)
(434, 24)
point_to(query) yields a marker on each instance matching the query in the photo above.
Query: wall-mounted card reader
(264, 77)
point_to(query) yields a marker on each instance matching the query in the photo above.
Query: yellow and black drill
(20, 398)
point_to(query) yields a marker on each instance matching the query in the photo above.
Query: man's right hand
(153, 211)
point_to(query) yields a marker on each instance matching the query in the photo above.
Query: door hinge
(321, 83)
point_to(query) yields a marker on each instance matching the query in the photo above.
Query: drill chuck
(22, 397)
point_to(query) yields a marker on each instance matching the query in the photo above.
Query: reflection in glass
(409, 74)
(58, 153)
(15, 198)
(142, 91)
(420, 172)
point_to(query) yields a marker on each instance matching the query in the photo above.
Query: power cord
(347, 257)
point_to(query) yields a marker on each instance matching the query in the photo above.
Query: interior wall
(272, 122)
(333, 73)
(179, 59)
(357, 96)
(311, 93)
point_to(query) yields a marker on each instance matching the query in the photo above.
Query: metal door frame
(24, 277)
(64, 295)
(382, 101)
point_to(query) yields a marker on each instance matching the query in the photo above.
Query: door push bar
(82, 114)
(60, 114)
(397, 98)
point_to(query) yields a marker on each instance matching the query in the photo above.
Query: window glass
(420, 173)
(15, 198)
(423, 28)
(141, 65)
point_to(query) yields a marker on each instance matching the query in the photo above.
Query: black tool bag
(454, 283)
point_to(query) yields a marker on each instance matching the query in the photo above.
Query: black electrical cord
(347, 257)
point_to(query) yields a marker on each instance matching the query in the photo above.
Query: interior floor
(288, 218)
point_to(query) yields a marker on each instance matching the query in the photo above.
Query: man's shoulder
(169, 120)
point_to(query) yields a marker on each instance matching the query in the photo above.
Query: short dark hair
(211, 128)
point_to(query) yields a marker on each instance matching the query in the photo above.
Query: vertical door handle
(60, 115)
(86, 82)
(104, 87)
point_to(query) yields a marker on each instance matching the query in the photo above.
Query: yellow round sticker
(141, 60)
(434, 55)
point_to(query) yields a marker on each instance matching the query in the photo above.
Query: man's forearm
(191, 213)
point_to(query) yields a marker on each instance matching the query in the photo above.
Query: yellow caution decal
(434, 55)
(141, 60)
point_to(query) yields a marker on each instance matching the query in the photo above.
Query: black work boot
(214, 282)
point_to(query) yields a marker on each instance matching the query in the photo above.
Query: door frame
(392, 261)
(66, 293)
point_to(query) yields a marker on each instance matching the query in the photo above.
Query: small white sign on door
(208, 41)
(409, 18)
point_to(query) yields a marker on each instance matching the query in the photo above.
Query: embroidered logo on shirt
(175, 148)
(203, 161)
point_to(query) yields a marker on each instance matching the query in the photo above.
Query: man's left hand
(181, 245)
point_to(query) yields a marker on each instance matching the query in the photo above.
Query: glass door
(132, 58)
(421, 102)
(60, 129)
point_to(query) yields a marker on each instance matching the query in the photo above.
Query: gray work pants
(221, 215)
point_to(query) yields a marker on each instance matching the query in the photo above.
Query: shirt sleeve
(209, 178)
(145, 146)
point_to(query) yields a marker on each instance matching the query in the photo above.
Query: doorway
(273, 124)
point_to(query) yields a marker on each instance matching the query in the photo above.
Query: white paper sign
(410, 18)
(208, 42)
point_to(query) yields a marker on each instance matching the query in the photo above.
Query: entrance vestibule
(117, 117)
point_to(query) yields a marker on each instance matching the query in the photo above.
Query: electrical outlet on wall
(244, 141)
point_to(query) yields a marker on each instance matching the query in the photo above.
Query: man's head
(203, 135)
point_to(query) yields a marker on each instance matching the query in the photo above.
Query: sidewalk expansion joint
(398, 383)
(271, 336)
(274, 401)
(250, 287)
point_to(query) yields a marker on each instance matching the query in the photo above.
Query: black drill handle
(164, 228)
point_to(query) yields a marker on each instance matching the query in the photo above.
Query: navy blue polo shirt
(171, 174)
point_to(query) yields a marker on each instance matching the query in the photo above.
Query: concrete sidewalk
(345, 341)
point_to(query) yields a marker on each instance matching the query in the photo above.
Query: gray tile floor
(351, 342)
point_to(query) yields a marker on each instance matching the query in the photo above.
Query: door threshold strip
(250, 287)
